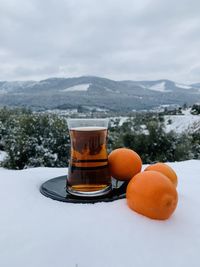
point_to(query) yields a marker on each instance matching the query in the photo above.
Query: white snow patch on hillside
(107, 89)
(143, 86)
(160, 87)
(80, 87)
(38, 231)
(183, 86)
(176, 123)
(120, 119)
(181, 123)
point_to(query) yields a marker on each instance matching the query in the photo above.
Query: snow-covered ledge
(39, 232)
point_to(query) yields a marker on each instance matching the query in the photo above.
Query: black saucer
(56, 189)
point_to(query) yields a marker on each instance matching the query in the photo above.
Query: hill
(93, 92)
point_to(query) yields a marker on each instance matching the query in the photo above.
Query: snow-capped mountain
(96, 91)
(196, 85)
(165, 86)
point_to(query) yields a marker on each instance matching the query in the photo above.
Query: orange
(124, 163)
(152, 194)
(164, 169)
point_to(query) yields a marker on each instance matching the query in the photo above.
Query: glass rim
(87, 122)
(88, 119)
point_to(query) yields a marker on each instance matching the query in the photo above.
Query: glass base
(95, 193)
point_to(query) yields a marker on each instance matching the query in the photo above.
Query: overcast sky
(117, 39)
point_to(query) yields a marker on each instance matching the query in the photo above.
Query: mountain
(93, 91)
(196, 85)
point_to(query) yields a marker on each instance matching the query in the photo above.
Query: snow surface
(182, 123)
(39, 232)
(183, 86)
(121, 119)
(179, 123)
(160, 87)
(80, 87)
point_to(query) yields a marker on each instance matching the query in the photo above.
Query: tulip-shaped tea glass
(88, 174)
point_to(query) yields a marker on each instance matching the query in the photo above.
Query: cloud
(129, 39)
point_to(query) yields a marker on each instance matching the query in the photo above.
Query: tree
(35, 140)
(195, 110)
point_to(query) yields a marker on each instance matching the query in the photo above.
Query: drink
(88, 169)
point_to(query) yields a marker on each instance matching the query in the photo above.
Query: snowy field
(181, 123)
(39, 232)
(80, 87)
(176, 123)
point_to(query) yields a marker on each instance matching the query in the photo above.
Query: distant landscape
(31, 139)
(158, 119)
(96, 93)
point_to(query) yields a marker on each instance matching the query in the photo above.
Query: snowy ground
(39, 232)
(176, 123)
(181, 123)
(80, 87)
